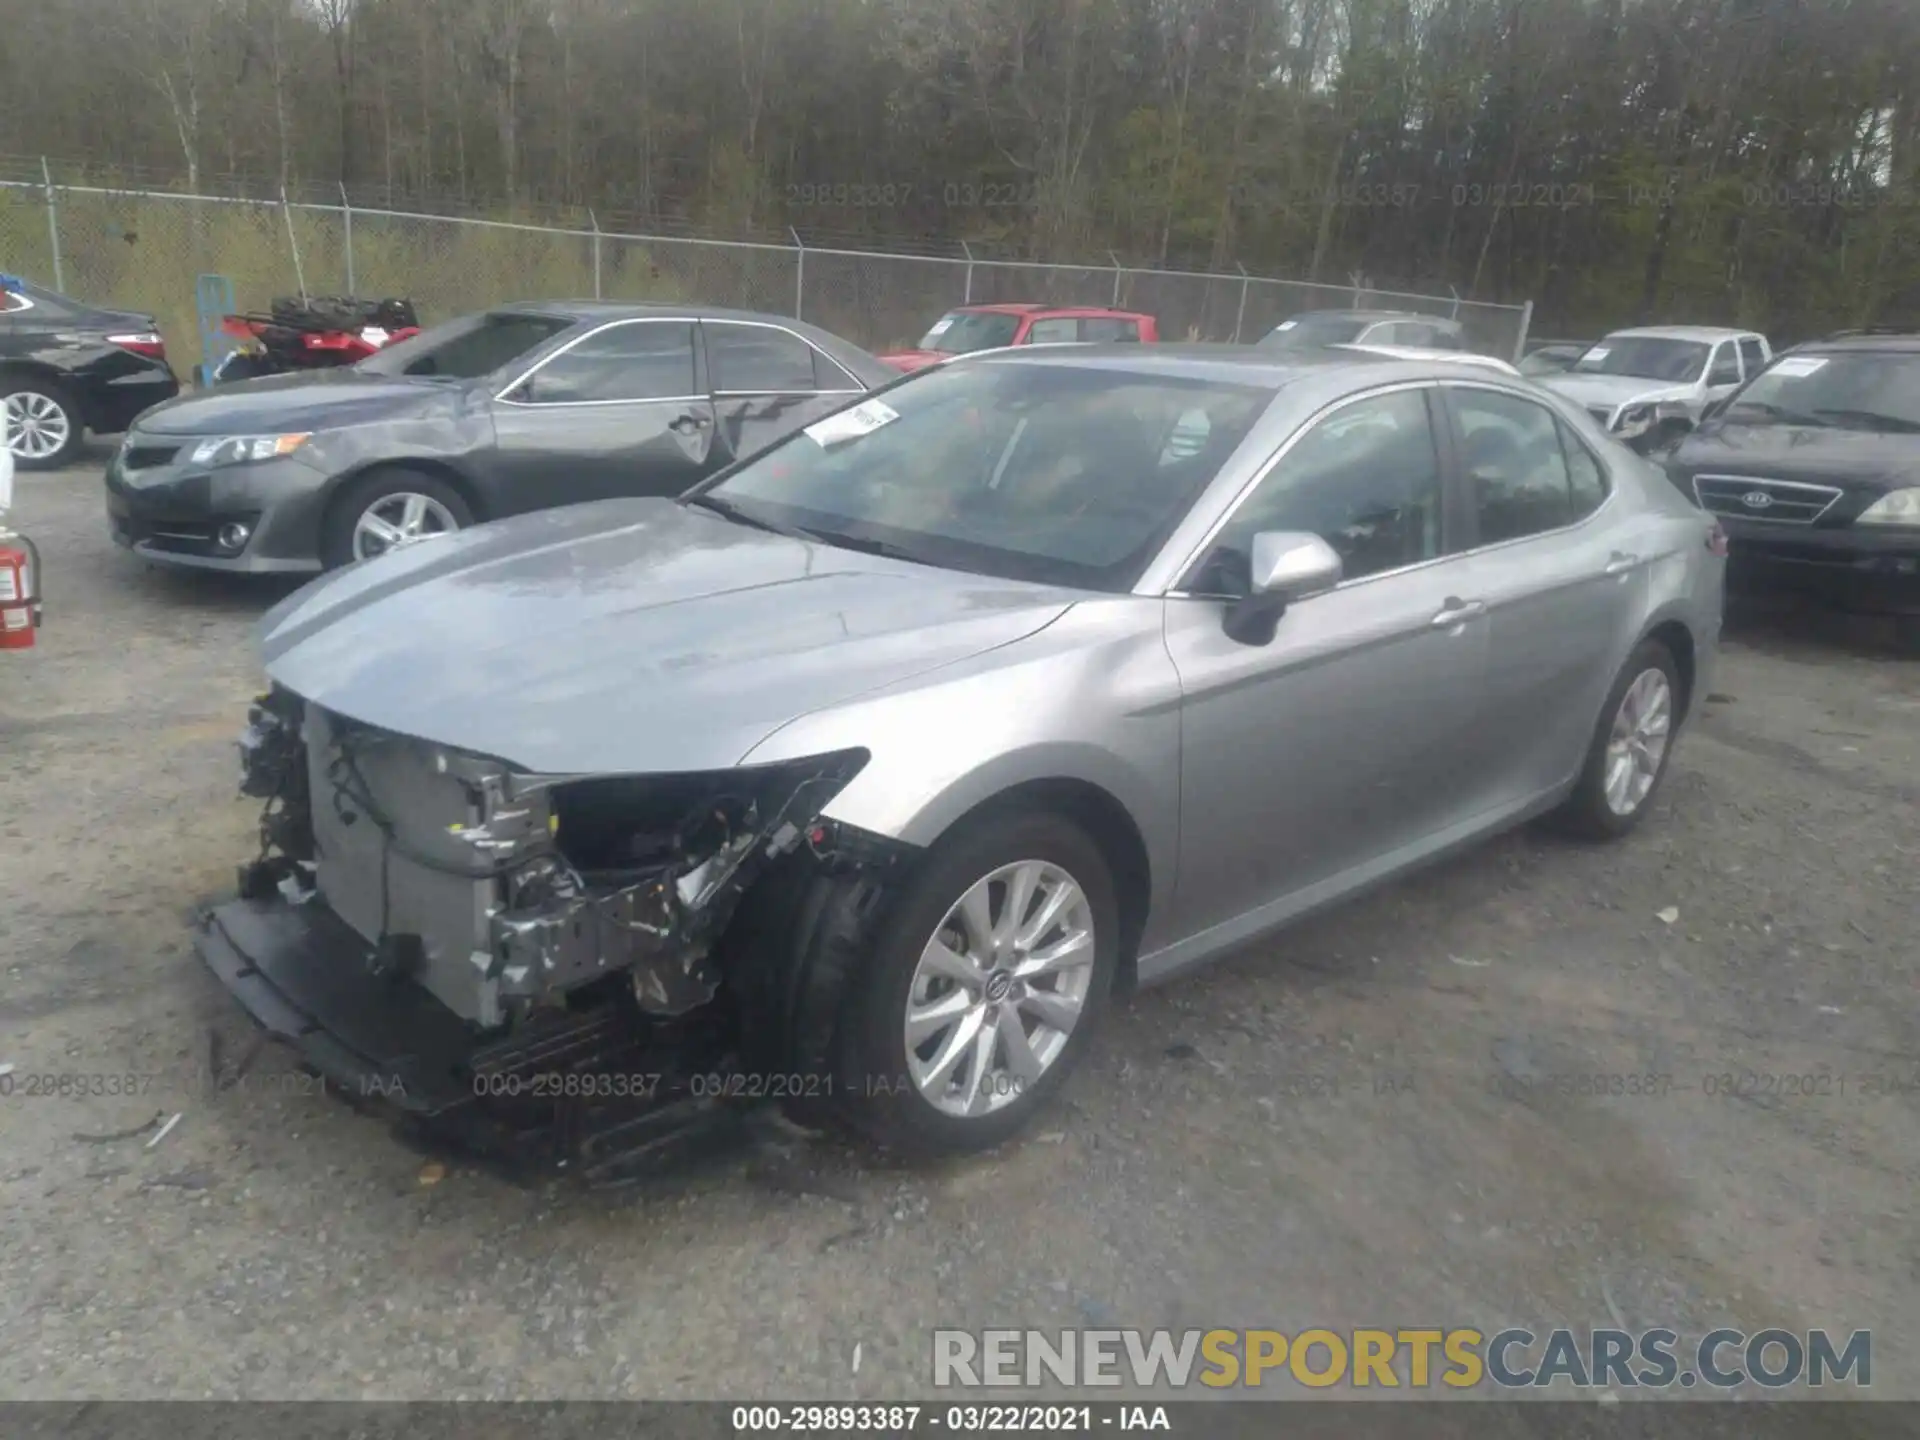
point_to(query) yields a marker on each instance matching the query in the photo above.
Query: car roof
(1228, 364)
(1707, 334)
(1027, 307)
(1883, 343)
(1371, 316)
(583, 312)
(1428, 352)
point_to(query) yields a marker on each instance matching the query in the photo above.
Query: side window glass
(1752, 357)
(828, 376)
(1515, 470)
(641, 361)
(1725, 369)
(1366, 479)
(1104, 330)
(1447, 337)
(1052, 332)
(1410, 332)
(1587, 481)
(758, 360)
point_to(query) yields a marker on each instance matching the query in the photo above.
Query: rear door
(619, 411)
(1563, 578)
(767, 381)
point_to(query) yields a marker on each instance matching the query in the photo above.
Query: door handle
(1455, 612)
(688, 423)
(1620, 562)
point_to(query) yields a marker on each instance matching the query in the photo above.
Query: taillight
(144, 342)
(1717, 539)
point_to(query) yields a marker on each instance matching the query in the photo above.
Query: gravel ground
(1335, 1129)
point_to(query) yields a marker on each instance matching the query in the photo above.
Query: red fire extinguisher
(19, 591)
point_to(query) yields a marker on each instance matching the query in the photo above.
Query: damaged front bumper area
(432, 929)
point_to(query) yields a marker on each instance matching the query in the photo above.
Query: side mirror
(1287, 565)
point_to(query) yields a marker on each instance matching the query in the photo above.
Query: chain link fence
(145, 249)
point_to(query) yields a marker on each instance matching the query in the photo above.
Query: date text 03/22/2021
(958, 1420)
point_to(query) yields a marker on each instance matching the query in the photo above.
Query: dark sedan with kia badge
(520, 408)
(1813, 468)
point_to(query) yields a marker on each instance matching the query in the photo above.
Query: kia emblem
(1756, 499)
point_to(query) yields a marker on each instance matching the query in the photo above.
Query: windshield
(1646, 357)
(467, 348)
(1320, 327)
(1851, 391)
(1055, 473)
(960, 331)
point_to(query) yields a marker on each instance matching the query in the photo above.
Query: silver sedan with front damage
(863, 776)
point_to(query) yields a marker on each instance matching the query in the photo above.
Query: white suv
(1651, 386)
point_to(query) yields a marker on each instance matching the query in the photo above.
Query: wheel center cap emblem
(1756, 499)
(999, 983)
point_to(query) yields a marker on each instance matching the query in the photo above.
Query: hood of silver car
(627, 636)
(1612, 390)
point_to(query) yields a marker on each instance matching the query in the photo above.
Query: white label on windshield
(1285, 325)
(1599, 352)
(940, 326)
(1795, 366)
(863, 419)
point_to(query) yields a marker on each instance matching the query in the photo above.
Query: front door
(767, 382)
(620, 411)
(1312, 760)
(1564, 578)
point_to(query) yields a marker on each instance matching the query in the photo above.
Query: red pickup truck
(988, 327)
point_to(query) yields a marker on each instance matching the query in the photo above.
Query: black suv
(1813, 467)
(66, 368)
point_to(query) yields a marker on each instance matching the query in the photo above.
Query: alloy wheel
(999, 987)
(38, 425)
(1638, 742)
(398, 520)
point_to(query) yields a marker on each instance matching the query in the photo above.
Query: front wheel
(388, 510)
(983, 988)
(1631, 747)
(43, 424)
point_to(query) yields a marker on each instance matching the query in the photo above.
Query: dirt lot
(1354, 1125)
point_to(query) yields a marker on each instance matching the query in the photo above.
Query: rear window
(960, 331)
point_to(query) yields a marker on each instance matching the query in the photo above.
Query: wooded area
(1749, 161)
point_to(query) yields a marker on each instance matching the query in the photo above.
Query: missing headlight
(645, 871)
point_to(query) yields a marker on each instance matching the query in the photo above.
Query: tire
(885, 1090)
(443, 509)
(1591, 812)
(41, 413)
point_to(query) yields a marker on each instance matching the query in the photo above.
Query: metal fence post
(967, 298)
(293, 244)
(1115, 303)
(1240, 315)
(53, 226)
(799, 274)
(594, 221)
(1526, 324)
(1454, 314)
(1354, 278)
(346, 212)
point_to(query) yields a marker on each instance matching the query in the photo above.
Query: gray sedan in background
(862, 775)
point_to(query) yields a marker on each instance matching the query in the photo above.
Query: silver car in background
(863, 775)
